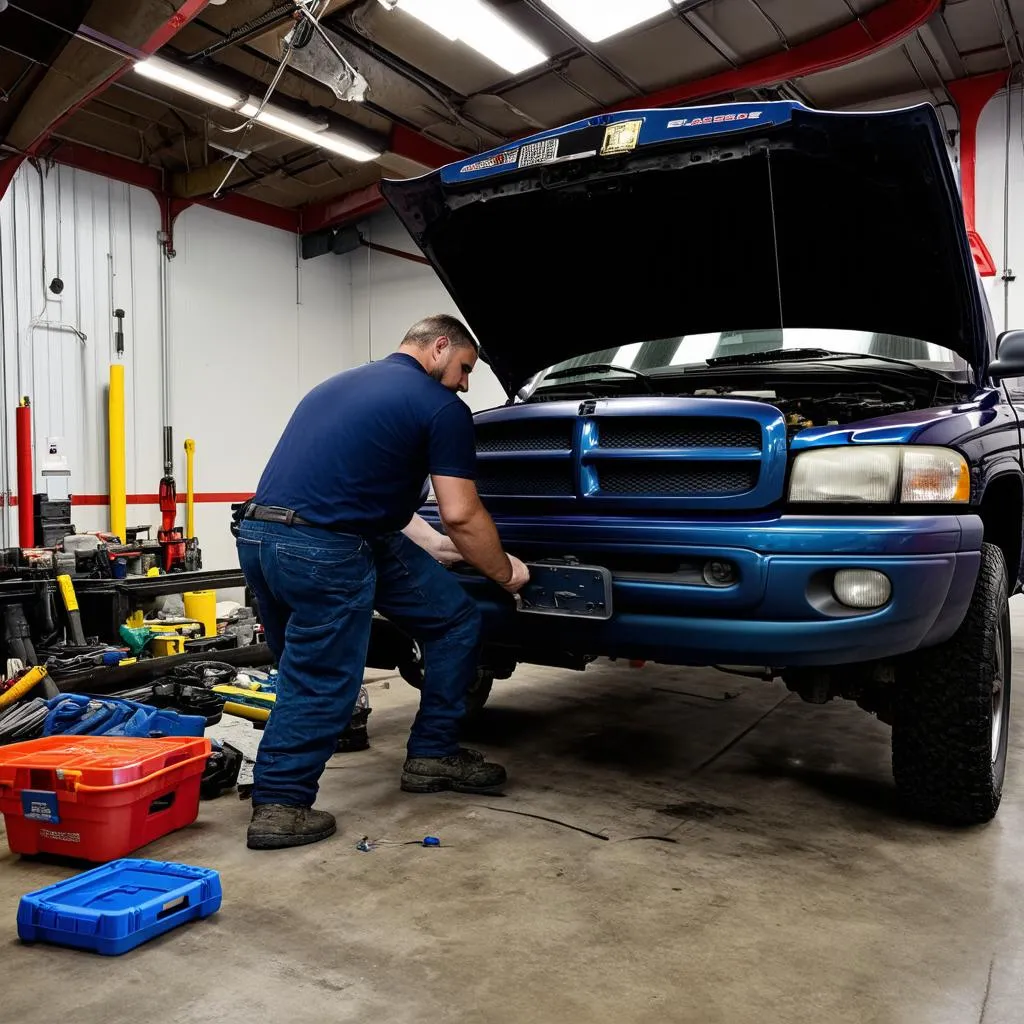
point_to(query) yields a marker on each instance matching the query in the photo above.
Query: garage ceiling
(430, 99)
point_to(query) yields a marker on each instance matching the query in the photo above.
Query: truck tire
(480, 689)
(952, 711)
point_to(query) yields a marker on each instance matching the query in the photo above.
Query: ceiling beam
(870, 34)
(43, 120)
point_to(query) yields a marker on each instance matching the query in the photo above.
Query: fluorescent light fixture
(187, 81)
(478, 25)
(315, 133)
(280, 120)
(599, 19)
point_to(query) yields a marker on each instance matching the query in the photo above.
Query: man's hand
(520, 576)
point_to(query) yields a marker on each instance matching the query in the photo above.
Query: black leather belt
(276, 514)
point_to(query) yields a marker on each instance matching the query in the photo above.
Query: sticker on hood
(508, 157)
(538, 152)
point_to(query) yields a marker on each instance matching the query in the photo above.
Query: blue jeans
(316, 592)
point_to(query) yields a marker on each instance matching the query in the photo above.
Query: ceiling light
(599, 19)
(186, 81)
(273, 117)
(315, 133)
(478, 25)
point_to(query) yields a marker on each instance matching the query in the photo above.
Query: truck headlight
(880, 474)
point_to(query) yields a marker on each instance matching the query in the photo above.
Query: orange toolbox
(98, 798)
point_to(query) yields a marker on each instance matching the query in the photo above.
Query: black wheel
(952, 711)
(476, 697)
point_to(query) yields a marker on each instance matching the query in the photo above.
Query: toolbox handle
(199, 758)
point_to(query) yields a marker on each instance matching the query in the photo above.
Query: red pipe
(23, 435)
(972, 96)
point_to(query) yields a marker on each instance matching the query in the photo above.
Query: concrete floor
(792, 890)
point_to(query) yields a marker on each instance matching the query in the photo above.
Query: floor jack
(178, 551)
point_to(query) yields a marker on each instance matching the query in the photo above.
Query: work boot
(276, 826)
(465, 772)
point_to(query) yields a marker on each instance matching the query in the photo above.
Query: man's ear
(442, 344)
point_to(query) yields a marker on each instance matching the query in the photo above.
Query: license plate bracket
(575, 591)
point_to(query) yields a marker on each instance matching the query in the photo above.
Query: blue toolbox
(116, 907)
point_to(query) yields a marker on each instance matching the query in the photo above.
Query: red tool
(171, 537)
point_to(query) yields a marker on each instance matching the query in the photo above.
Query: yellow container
(167, 645)
(201, 605)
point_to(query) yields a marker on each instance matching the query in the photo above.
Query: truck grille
(658, 452)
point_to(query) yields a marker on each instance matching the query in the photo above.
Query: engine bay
(804, 399)
(802, 410)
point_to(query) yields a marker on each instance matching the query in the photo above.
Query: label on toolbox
(40, 805)
(64, 837)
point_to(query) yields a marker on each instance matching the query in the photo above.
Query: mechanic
(332, 533)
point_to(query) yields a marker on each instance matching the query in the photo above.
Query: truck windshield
(690, 353)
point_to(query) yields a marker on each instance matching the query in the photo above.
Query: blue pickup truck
(758, 415)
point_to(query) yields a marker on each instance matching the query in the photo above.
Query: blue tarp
(75, 714)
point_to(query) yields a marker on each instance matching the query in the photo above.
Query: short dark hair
(427, 330)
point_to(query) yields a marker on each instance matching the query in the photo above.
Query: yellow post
(190, 499)
(201, 606)
(115, 428)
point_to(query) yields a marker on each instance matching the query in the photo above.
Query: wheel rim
(999, 687)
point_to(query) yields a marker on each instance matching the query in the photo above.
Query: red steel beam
(108, 165)
(352, 206)
(971, 96)
(420, 149)
(870, 34)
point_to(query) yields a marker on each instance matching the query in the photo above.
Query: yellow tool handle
(67, 593)
(22, 686)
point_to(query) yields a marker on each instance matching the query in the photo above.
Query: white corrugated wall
(251, 328)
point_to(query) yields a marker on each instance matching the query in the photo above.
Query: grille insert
(678, 432)
(542, 436)
(709, 479)
(526, 478)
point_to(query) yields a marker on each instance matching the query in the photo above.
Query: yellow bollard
(190, 492)
(115, 430)
(201, 605)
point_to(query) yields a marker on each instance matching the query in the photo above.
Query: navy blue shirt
(357, 451)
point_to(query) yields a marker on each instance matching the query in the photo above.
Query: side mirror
(1009, 361)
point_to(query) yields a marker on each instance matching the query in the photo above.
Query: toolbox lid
(117, 906)
(67, 762)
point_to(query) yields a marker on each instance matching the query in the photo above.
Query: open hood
(660, 223)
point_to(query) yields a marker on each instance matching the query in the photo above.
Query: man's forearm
(478, 542)
(420, 532)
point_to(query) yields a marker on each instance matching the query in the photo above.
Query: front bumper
(774, 615)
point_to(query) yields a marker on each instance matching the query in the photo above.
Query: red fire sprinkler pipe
(972, 96)
(23, 440)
